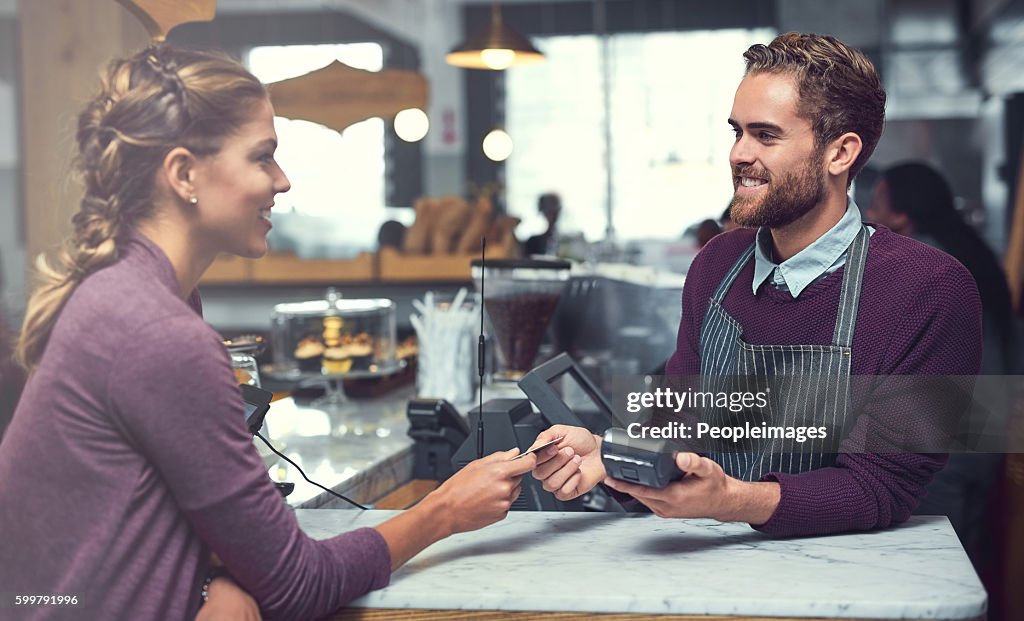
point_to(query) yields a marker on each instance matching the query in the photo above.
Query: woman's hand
(229, 602)
(483, 492)
(572, 467)
(478, 495)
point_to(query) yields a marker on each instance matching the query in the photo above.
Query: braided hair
(148, 104)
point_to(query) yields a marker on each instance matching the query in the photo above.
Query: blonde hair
(148, 104)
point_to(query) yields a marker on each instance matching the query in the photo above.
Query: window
(670, 96)
(336, 203)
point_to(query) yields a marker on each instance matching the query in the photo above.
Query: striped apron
(806, 385)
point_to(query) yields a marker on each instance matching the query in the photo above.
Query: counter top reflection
(361, 451)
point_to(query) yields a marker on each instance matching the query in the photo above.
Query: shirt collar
(805, 266)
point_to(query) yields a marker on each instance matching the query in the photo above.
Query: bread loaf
(479, 223)
(453, 212)
(417, 238)
(502, 234)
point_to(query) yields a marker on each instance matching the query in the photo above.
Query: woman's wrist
(215, 573)
(412, 530)
(436, 513)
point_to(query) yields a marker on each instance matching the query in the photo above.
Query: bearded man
(811, 291)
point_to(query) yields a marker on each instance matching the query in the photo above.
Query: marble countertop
(360, 450)
(635, 563)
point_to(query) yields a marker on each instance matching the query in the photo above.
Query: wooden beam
(338, 95)
(60, 56)
(159, 16)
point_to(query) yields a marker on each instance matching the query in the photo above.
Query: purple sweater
(919, 314)
(128, 461)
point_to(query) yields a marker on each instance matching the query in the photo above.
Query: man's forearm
(754, 503)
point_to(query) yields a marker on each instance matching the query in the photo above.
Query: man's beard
(786, 199)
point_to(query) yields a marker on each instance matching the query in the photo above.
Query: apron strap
(849, 300)
(723, 287)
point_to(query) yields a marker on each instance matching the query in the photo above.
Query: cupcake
(309, 354)
(361, 354)
(337, 360)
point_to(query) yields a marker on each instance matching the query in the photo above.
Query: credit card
(536, 448)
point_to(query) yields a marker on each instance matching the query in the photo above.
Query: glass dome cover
(334, 336)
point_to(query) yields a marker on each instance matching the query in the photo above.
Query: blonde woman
(127, 462)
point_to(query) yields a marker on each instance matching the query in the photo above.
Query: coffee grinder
(519, 299)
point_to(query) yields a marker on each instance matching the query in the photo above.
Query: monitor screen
(565, 395)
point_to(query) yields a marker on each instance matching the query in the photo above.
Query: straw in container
(445, 334)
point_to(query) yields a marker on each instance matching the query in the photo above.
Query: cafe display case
(333, 337)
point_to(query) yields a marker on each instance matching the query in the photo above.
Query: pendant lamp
(496, 47)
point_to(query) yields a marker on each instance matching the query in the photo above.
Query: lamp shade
(496, 47)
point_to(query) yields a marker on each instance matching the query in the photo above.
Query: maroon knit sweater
(919, 314)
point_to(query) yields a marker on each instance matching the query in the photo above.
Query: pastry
(308, 354)
(337, 360)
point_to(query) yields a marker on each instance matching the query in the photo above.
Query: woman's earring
(193, 200)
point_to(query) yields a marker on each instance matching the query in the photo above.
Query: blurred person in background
(726, 220)
(914, 199)
(550, 206)
(391, 234)
(706, 230)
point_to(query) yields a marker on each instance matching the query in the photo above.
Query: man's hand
(572, 467)
(228, 602)
(705, 492)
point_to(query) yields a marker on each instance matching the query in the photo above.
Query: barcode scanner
(644, 461)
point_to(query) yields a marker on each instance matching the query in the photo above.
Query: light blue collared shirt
(824, 256)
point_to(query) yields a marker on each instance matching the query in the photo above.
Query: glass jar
(243, 350)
